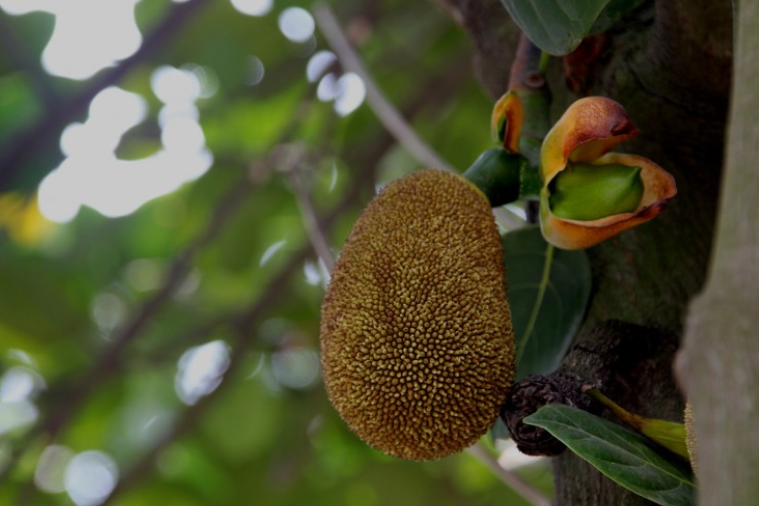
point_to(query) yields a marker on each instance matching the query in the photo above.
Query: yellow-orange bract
(416, 336)
(586, 132)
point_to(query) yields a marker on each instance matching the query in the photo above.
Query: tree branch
(41, 136)
(316, 232)
(20, 57)
(109, 361)
(245, 324)
(385, 111)
(275, 290)
(719, 361)
(513, 481)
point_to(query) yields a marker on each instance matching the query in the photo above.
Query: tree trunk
(669, 63)
(719, 363)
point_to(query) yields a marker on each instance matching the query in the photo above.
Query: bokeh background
(170, 175)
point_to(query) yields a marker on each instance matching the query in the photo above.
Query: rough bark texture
(719, 363)
(669, 63)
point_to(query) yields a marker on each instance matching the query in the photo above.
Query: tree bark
(719, 363)
(669, 63)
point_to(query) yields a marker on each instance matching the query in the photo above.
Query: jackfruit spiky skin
(416, 336)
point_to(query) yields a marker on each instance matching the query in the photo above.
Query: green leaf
(670, 435)
(548, 292)
(555, 26)
(628, 458)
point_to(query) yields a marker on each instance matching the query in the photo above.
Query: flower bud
(589, 194)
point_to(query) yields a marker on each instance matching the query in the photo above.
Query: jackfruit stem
(500, 175)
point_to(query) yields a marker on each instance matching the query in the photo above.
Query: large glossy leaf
(624, 456)
(555, 26)
(670, 435)
(548, 294)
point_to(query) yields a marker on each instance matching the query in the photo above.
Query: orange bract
(508, 109)
(590, 128)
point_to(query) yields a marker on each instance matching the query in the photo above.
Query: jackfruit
(416, 337)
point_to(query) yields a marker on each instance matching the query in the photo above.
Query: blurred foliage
(101, 312)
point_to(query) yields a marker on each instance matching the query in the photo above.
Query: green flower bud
(589, 214)
(587, 192)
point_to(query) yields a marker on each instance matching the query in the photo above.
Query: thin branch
(525, 74)
(180, 268)
(108, 363)
(273, 293)
(385, 111)
(40, 136)
(392, 120)
(110, 360)
(292, 160)
(316, 233)
(514, 482)
(245, 323)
